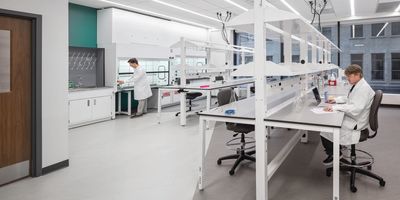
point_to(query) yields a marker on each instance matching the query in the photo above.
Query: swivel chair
(189, 96)
(224, 97)
(352, 166)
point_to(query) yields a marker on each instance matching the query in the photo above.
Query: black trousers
(328, 145)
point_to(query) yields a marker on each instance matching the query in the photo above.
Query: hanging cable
(224, 20)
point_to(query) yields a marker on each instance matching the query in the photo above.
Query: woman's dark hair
(133, 61)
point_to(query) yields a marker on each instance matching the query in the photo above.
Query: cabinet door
(101, 107)
(80, 111)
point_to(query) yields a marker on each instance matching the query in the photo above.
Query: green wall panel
(82, 26)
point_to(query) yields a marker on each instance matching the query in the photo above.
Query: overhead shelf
(283, 23)
(292, 69)
(213, 46)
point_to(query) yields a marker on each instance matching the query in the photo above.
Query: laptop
(319, 102)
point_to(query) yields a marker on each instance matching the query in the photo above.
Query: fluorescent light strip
(397, 9)
(186, 10)
(352, 8)
(237, 5)
(156, 14)
(290, 7)
(383, 28)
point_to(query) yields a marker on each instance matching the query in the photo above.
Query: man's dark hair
(353, 69)
(133, 61)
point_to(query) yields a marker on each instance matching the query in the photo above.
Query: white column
(260, 101)
(304, 49)
(320, 52)
(313, 51)
(336, 166)
(183, 82)
(287, 42)
(159, 105)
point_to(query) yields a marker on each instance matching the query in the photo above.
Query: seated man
(356, 111)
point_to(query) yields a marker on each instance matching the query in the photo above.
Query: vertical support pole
(287, 42)
(326, 52)
(336, 168)
(183, 83)
(203, 153)
(159, 105)
(260, 101)
(320, 52)
(208, 106)
(313, 50)
(329, 53)
(304, 49)
(119, 102)
(130, 102)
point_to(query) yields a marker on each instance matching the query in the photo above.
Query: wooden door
(15, 98)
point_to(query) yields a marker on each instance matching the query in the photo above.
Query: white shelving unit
(264, 20)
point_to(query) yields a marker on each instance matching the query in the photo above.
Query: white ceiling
(336, 10)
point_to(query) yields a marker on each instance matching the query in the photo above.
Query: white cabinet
(80, 111)
(101, 107)
(90, 106)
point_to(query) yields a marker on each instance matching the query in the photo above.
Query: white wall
(55, 73)
(128, 34)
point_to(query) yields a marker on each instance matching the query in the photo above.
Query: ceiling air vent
(387, 7)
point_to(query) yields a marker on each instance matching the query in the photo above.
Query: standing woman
(142, 89)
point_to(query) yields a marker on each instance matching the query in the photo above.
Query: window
(377, 66)
(327, 32)
(270, 58)
(357, 59)
(5, 61)
(378, 30)
(395, 66)
(295, 58)
(357, 31)
(395, 28)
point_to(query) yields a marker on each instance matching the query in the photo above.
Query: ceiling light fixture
(237, 5)
(290, 7)
(397, 9)
(383, 28)
(352, 8)
(156, 14)
(184, 9)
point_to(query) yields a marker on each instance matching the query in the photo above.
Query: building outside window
(270, 58)
(327, 32)
(378, 30)
(395, 28)
(357, 59)
(395, 66)
(377, 66)
(357, 31)
(296, 58)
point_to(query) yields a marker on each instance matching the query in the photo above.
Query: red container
(332, 82)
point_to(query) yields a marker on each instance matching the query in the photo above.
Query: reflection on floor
(142, 160)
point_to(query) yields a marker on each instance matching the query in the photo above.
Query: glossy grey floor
(142, 160)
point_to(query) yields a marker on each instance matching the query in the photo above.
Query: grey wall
(387, 44)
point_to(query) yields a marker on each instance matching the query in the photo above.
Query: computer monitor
(316, 95)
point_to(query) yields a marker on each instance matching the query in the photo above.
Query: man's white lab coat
(356, 111)
(141, 85)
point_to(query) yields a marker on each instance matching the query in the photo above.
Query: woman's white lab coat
(356, 111)
(141, 85)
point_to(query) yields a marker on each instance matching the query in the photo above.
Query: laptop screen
(316, 95)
